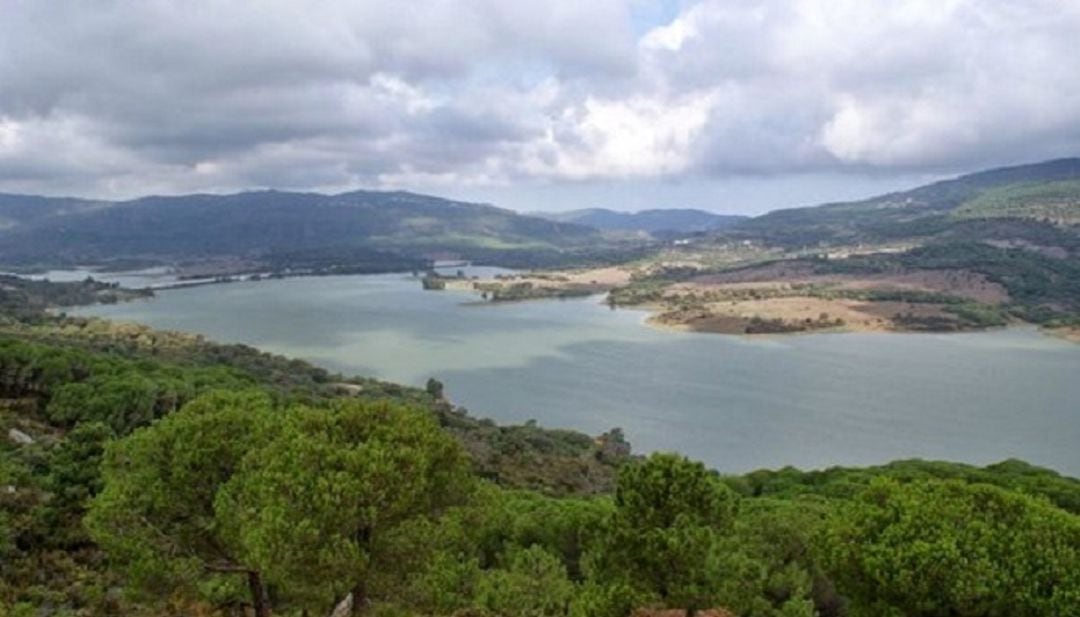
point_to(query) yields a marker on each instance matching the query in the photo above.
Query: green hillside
(926, 212)
(1016, 228)
(1053, 202)
(395, 228)
(147, 473)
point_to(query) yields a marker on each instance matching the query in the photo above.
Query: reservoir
(734, 402)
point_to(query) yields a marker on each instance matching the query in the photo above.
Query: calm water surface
(736, 403)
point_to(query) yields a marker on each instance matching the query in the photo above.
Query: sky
(735, 106)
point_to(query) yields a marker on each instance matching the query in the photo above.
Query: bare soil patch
(598, 277)
(538, 284)
(961, 283)
(1069, 334)
(813, 314)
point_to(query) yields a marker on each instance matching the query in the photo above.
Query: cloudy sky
(730, 105)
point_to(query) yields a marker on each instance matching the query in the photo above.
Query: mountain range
(261, 224)
(1037, 205)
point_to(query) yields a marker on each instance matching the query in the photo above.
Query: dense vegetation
(153, 473)
(234, 501)
(23, 298)
(150, 473)
(1042, 289)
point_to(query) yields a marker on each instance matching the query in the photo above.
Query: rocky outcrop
(343, 608)
(19, 437)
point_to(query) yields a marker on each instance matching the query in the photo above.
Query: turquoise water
(736, 403)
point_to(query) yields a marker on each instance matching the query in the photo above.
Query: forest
(152, 473)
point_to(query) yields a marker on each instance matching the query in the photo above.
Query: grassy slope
(921, 213)
(1057, 202)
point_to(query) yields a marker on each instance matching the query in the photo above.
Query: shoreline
(734, 323)
(488, 412)
(730, 323)
(348, 387)
(1071, 333)
(652, 312)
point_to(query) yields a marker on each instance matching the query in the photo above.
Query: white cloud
(614, 138)
(890, 85)
(131, 96)
(670, 37)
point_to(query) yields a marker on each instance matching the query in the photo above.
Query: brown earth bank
(798, 314)
(794, 296)
(774, 298)
(605, 278)
(1069, 333)
(960, 283)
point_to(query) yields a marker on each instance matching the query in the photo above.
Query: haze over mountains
(1036, 204)
(651, 221)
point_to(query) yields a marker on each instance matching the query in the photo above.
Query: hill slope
(957, 207)
(674, 220)
(253, 225)
(1055, 202)
(982, 250)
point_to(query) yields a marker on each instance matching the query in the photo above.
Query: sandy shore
(959, 283)
(808, 313)
(600, 278)
(1069, 334)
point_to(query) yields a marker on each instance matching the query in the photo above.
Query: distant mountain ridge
(677, 220)
(257, 223)
(1041, 198)
(1036, 205)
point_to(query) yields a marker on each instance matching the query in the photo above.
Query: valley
(634, 343)
(103, 418)
(496, 308)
